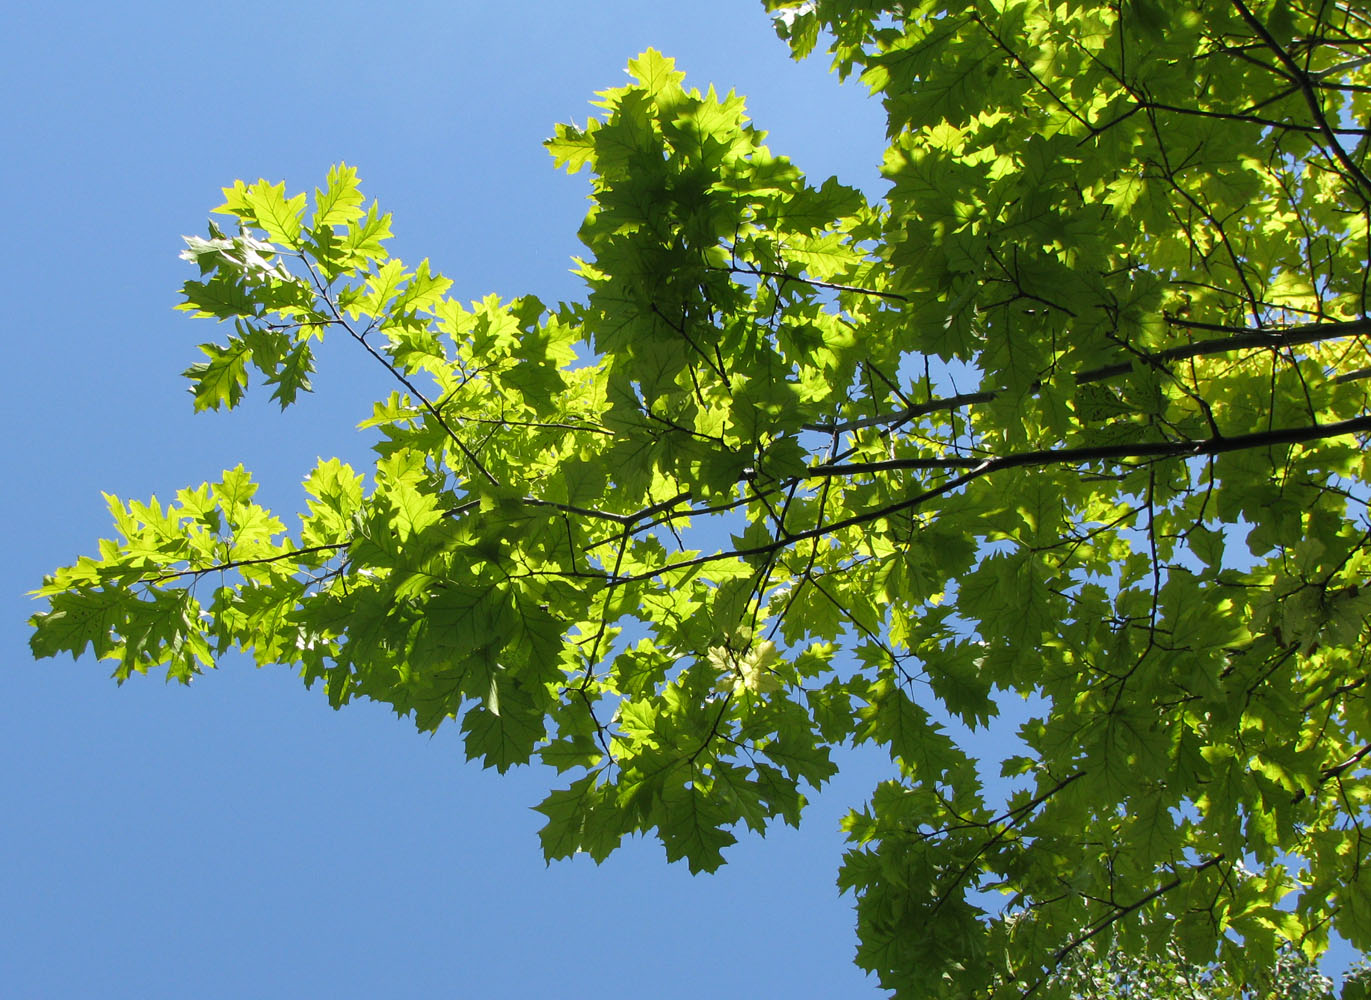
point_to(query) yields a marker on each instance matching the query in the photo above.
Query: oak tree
(1075, 413)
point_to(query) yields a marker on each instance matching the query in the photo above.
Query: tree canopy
(1117, 976)
(1075, 413)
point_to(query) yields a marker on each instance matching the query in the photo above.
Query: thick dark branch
(1336, 771)
(838, 469)
(1251, 119)
(1104, 453)
(819, 531)
(1343, 67)
(1240, 338)
(1154, 450)
(1311, 97)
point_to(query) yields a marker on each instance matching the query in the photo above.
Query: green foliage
(1120, 977)
(1139, 228)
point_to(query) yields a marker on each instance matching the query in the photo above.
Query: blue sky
(238, 837)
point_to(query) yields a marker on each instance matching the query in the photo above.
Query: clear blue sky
(238, 838)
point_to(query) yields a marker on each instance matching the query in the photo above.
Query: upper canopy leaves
(1077, 412)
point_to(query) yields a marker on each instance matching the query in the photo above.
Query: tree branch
(1061, 456)
(833, 286)
(1142, 449)
(1311, 96)
(361, 339)
(236, 563)
(1241, 338)
(1120, 912)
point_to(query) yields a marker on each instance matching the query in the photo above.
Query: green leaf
(365, 238)
(341, 202)
(266, 205)
(693, 829)
(222, 380)
(501, 739)
(77, 620)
